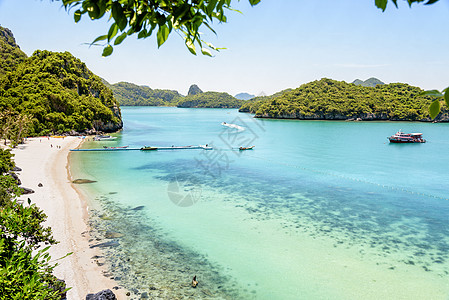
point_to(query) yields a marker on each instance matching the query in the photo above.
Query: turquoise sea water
(318, 210)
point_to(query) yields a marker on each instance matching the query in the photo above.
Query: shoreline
(47, 161)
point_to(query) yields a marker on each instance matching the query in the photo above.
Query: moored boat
(246, 148)
(122, 147)
(104, 138)
(147, 148)
(401, 137)
(206, 147)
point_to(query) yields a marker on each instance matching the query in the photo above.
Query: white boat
(104, 138)
(233, 126)
(206, 147)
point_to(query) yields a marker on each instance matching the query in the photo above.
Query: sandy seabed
(45, 160)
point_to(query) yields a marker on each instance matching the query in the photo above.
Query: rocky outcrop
(103, 295)
(26, 191)
(194, 90)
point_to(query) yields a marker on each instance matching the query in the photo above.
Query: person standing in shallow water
(194, 282)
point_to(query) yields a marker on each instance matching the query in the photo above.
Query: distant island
(210, 100)
(129, 94)
(328, 99)
(371, 82)
(244, 96)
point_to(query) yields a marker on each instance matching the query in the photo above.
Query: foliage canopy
(25, 268)
(162, 17)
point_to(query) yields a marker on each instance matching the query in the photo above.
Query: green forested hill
(129, 94)
(210, 100)
(328, 99)
(10, 53)
(59, 92)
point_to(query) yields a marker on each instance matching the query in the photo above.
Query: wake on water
(233, 126)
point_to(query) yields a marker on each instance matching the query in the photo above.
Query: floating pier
(147, 148)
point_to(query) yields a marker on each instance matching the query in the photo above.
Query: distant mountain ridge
(130, 94)
(244, 96)
(371, 82)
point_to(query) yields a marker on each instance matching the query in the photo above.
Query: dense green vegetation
(253, 104)
(25, 268)
(59, 93)
(210, 100)
(10, 53)
(129, 94)
(338, 100)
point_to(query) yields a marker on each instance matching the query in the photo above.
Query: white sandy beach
(42, 161)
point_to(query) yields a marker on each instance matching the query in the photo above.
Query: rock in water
(106, 244)
(103, 295)
(81, 181)
(113, 235)
(138, 207)
(40, 185)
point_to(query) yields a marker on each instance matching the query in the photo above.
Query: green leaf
(77, 16)
(430, 2)
(382, 4)
(211, 6)
(191, 46)
(142, 34)
(446, 97)
(434, 109)
(254, 2)
(100, 38)
(107, 51)
(162, 35)
(431, 93)
(206, 51)
(120, 38)
(112, 31)
(93, 10)
(119, 16)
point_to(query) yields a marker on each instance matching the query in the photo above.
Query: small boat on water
(246, 148)
(401, 137)
(147, 148)
(112, 148)
(104, 138)
(206, 147)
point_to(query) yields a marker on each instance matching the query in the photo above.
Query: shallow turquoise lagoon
(318, 210)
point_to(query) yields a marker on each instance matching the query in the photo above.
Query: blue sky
(275, 45)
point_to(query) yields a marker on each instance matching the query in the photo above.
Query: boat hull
(405, 141)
